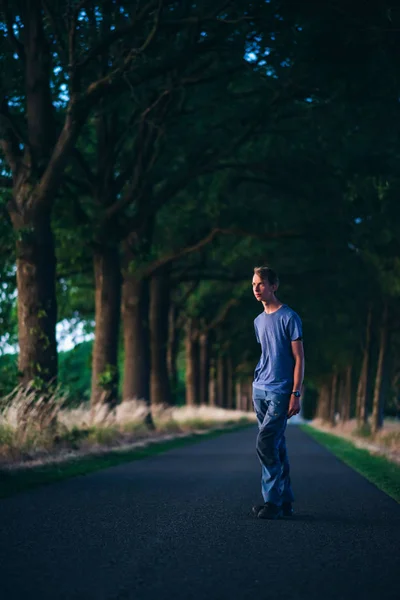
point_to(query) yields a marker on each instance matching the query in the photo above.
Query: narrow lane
(179, 526)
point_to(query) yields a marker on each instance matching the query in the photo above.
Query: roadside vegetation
(40, 430)
(380, 471)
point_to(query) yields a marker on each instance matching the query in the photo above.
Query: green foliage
(75, 373)
(108, 377)
(363, 430)
(8, 373)
(377, 469)
(263, 126)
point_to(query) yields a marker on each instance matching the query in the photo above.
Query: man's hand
(294, 406)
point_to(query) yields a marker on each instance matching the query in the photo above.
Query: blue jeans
(271, 410)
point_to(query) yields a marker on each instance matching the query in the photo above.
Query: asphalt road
(178, 526)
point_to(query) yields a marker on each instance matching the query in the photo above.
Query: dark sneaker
(287, 509)
(256, 509)
(270, 511)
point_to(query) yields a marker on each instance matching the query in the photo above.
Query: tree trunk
(204, 343)
(160, 391)
(135, 316)
(37, 304)
(105, 375)
(323, 403)
(192, 364)
(229, 383)
(221, 381)
(347, 392)
(340, 395)
(362, 390)
(172, 350)
(378, 401)
(250, 406)
(241, 401)
(213, 384)
(332, 399)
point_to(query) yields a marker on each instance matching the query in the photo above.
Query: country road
(178, 526)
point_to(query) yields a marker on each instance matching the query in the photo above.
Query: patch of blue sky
(69, 333)
(6, 347)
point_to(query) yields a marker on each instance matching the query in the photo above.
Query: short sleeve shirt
(275, 332)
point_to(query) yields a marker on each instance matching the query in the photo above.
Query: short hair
(268, 274)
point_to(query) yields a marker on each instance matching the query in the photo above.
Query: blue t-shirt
(275, 332)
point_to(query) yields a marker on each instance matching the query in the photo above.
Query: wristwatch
(296, 393)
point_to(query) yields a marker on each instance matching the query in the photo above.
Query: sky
(69, 333)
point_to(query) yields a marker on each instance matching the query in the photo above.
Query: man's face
(263, 290)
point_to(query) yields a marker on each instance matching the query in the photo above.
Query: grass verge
(12, 482)
(377, 469)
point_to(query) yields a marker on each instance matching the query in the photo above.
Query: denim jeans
(271, 410)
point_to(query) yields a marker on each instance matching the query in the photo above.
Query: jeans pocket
(279, 405)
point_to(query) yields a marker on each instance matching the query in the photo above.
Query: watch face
(297, 394)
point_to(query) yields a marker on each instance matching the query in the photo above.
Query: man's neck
(272, 306)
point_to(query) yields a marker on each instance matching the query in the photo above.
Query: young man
(277, 385)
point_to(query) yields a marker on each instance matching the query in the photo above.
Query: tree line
(154, 152)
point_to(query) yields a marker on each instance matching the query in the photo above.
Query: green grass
(12, 482)
(377, 469)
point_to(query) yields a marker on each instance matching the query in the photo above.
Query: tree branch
(117, 34)
(9, 138)
(162, 262)
(85, 167)
(55, 167)
(221, 316)
(145, 142)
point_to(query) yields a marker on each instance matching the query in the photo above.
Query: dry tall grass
(385, 442)
(34, 427)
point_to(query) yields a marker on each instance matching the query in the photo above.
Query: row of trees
(154, 152)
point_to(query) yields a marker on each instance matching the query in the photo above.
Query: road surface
(179, 526)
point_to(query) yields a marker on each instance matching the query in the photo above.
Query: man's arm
(298, 376)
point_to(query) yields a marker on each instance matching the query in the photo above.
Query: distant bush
(74, 373)
(8, 373)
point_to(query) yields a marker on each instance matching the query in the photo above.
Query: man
(277, 385)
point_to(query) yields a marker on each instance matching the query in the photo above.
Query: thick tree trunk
(105, 375)
(135, 317)
(37, 305)
(192, 363)
(172, 350)
(160, 391)
(378, 401)
(362, 390)
(36, 263)
(204, 343)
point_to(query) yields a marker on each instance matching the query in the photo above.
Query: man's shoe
(270, 511)
(256, 509)
(287, 509)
